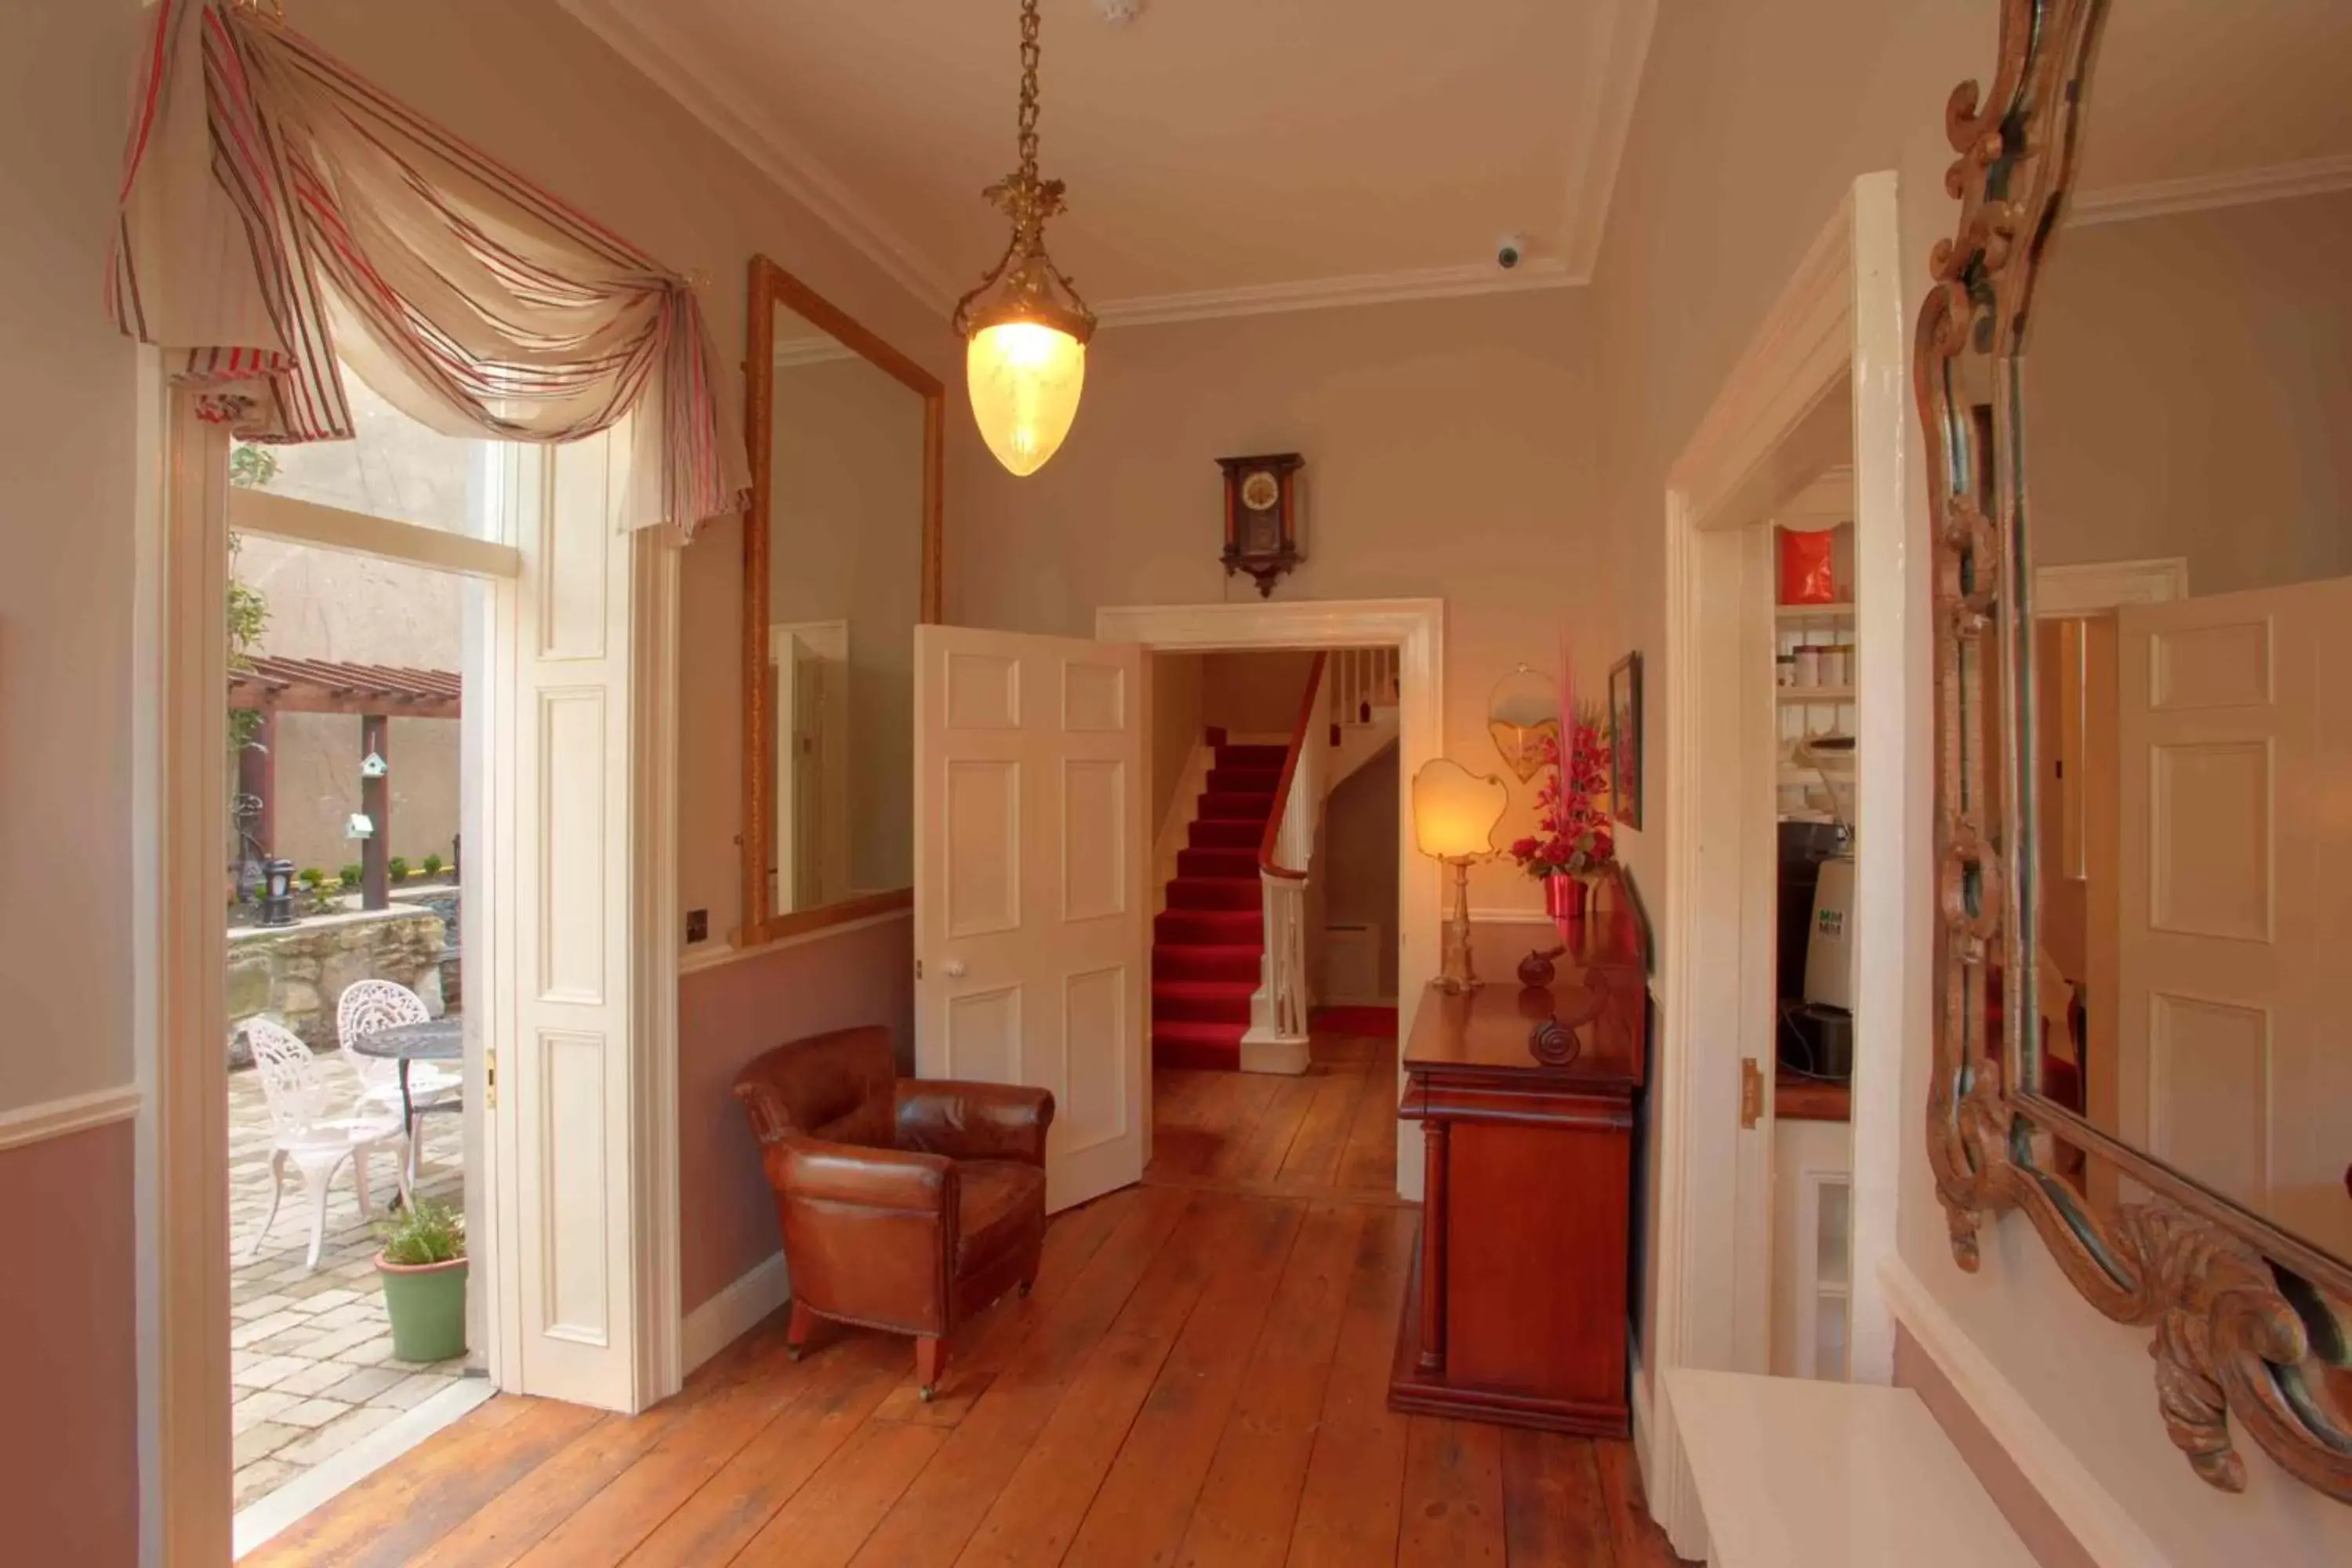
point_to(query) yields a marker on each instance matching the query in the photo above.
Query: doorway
(1411, 632)
(1822, 385)
(1251, 1087)
(570, 636)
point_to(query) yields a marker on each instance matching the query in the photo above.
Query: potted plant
(423, 1266)
(1573, 838)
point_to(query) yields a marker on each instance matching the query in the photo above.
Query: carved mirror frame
(2243, 1325)
(772, 286)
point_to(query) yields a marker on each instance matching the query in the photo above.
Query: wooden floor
(1199, 1378)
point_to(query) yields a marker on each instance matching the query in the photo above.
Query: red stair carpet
(1206, 945)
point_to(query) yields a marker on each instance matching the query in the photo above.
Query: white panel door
(561, 999)
(2235, 734)
(1030, 890)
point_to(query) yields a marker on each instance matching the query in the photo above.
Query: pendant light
(1026, 327)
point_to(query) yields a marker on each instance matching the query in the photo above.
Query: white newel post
(1277, 1040)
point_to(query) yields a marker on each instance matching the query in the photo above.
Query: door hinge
(490, 1076)
(1751, 1092)
(919, 969)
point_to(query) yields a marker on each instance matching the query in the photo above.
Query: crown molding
(1613, 70)
(1321, 293)
(2238, 188)
(654, 47)
(1596, 147)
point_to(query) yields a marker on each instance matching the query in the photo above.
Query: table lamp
(1453, 815)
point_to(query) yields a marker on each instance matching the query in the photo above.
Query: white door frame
(1416, 629)
(180, 722)
(1838, 325)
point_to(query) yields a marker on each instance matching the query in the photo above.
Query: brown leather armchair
(909, 1205)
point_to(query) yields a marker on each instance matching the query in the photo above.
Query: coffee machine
(1817, 961)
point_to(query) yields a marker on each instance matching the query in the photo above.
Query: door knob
(953, 969)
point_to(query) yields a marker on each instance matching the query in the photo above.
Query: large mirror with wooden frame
(2136, 378)
(841, 559)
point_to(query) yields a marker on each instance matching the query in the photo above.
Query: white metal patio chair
(367, 1006)
(316, 1127)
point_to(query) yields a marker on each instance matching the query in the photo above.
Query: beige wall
(69, 1460)
(1176, 726)
(324, 604)
(1357, 859)
(2189, 393)
(847, 545)
(1255, 693)
(66, 445)
(1752, 122)
(1449, 453)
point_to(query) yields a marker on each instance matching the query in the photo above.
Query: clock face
(1260, 490)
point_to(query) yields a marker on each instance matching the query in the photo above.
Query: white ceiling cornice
(1318, 293)
(1611, 68)
(2239, 187)
(673, 65)
(1612, 72)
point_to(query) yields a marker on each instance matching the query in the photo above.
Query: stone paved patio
(311, 1352)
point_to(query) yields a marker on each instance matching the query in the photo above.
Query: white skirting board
(338, 1473)
(735, 1311)
(2081, 1503)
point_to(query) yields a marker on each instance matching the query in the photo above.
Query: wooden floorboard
(1452, 1510)
(1199, 1378)
(1355, 1479)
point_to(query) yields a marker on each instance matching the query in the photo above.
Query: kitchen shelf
(1809, 695)
(1813, 611)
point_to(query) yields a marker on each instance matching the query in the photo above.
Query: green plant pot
(426, 1303)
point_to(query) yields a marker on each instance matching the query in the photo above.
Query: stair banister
(1278, 1010)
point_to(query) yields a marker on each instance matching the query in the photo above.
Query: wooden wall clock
(1262, 517)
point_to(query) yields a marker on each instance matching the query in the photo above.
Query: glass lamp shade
(1025, 378)
(1455, 810)
(1522, 712)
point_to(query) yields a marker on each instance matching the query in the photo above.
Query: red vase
(1564, 901)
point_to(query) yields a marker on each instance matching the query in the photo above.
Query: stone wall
(294, 974)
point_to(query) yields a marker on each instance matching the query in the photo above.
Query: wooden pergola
(266, 685)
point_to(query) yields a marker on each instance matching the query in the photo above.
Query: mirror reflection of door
(809, 689)
(845, 526)
(2187, 402)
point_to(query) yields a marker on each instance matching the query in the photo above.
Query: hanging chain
(1025, 274)
(1029, 88)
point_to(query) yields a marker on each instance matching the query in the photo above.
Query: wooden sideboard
(1517, 1307)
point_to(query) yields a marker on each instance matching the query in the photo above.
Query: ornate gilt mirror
(2136, 378)
(841, 559)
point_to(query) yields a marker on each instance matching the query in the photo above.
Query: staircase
(1208, 945)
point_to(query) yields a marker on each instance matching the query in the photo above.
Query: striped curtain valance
(281, 218)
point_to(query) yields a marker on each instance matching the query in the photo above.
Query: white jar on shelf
(1808, 665)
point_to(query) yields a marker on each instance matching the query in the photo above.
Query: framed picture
(1625, 741)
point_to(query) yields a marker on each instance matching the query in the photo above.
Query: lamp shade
(1025, 378)
(1455, 810)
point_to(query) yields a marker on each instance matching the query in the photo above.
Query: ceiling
(2194, 104)
(1222, 156)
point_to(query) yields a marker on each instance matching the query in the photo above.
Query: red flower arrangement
(1573, 835)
